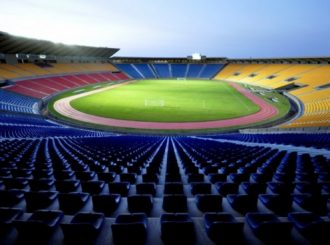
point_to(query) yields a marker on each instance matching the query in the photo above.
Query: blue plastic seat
(106, 203)
(66, 186)
(253, 188)
(93, 186)
(223, 228)
(39, 199)
(130, 228)
(214, 178)
(311, 226)
(83, 228)
(64, 175)
(280, 188)
(39, 227)
(279, 204)
(16, 183)
(85, 175)
(173, 177)
(150, 178)
(41, 184)
(7, 216)
(238, 178)
(10, 198)
(128, 177)
(242, 203)
(225, 188)
(195, 178)
(140, 203)
(268, 227)
(106, 176)
(146, 188)
(121, 188)
(209, 202)
(175, 203)
(200, 188)
(71, 203)
(173, 188)
(177, 229)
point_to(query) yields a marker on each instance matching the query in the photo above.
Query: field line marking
(63, 107)
(238, 97)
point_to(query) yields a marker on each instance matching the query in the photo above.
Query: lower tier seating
(107, 189)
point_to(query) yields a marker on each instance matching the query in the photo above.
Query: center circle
(177, 100)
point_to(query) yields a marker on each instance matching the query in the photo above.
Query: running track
(266, 111)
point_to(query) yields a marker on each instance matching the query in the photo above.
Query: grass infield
(168, 101)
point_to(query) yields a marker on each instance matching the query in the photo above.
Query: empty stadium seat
(10, 198)
(173, 188)
(93, 186)
(177, 229)
(311, 226)
(41, 184)
(88, 224)
(66, 186)
(16, 183)
(107, 176)
(39, 199)
(73, 202)
(175, 203)
(39, 227)
(209, 203)
(200, 188)
(128, 177)
(37, 156)
(106, 203)
(223, 228)
(7, 217)
(130, 228)
(279, 204)
(225, 188)
(195, 178)
(140, 203)
(121, 188)
(150, 178)
(146, 188)
(242, 203)
(214, 178)
(268, 227)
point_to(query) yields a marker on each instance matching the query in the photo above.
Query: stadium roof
(20, 45)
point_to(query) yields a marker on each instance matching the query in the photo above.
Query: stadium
(102, 148)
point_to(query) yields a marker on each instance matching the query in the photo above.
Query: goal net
(154, 102)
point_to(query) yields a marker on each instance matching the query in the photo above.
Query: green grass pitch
(168, 101)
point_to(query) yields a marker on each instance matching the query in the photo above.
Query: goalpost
(154, 102)
(181, 78)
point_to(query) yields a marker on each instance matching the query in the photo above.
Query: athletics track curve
(266, 111)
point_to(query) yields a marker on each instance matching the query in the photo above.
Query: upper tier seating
(31, 70)
(145, 70)
(140, 71)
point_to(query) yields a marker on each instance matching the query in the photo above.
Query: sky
(177, 28)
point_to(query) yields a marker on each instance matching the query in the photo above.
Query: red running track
(266, 111)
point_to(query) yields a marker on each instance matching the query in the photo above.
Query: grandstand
(307, 82)
(64, 184)
(168, 68)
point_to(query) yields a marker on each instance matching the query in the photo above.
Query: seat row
(174, 228)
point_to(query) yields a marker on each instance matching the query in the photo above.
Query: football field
(168, 101)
